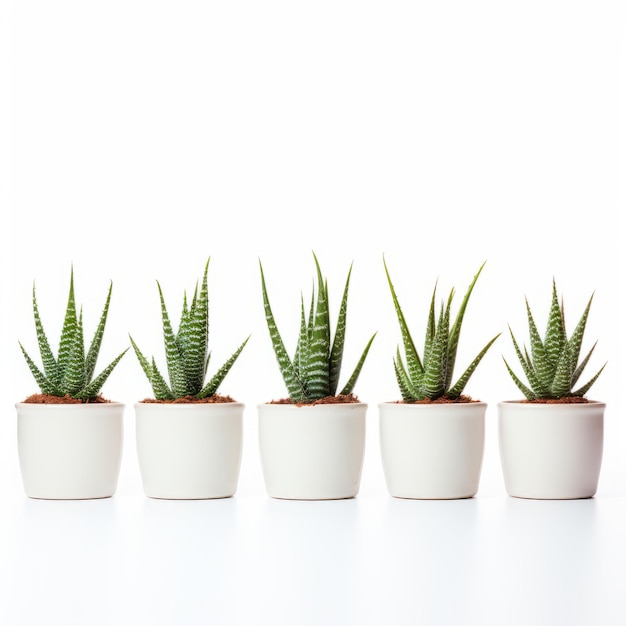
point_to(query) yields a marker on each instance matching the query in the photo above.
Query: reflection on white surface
(370, 560)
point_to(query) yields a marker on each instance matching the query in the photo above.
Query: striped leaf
(528, 368)
(74, 375)
(317, 372)
(45, 384)
(349, 386)
(196, 338)
(555, 338)
(407, 389)
(528, 393)
(543, 368)
(455, 332)
(435, 367)
(96, 342)
(459, 386)
(294, 386)
(336, 353)
(66, 343)
(175, 364)
(414, 364)
(212, 386)
(94, 387)
(50, 368)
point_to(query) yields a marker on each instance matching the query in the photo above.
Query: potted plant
(189, 438)
(551, 442)
(69, 437)
(432, 441)
(312, 443)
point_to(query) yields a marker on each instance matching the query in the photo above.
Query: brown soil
(347, 399)
(215, 399)
(564, 400)
(43, 398)
(442, 400)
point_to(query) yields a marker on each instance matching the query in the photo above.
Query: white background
(139, 138)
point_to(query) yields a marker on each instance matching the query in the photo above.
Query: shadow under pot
(432, 451)
(70, 451)
(312, 452)
(189, 451)
(551, 451)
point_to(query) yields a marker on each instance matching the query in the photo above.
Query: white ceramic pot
(189, 451)
(70, 451)
(312, 452)
(432, 451)
(551, 451)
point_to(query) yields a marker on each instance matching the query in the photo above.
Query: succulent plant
(430, 378)
(187, 351)
(313, 373)
(552, 368)
(71, 372)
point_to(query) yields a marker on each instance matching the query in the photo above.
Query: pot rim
(187, 405)
(557, 406)
(294, 406)
(433, 405)
(73, 406)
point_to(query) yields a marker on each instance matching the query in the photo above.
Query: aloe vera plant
(70, 373)
(314, 371)
(187, 351)
(552, 368)
(430, 377)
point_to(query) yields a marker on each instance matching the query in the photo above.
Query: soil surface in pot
(347, 399)
(565, 400)
(44, 398)
(214, 399)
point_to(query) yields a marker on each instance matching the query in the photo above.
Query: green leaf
(435, 366)
(294, 386)
(336, 353)
(459, 386)
(216, 381)
(66, 344)
(543, 368)
(455, 332)
(49, 362)
(408, 391)
(175, 364)
(45, 385)
(523, 388)
(197, 338)
(96, 342)
(318, 373)
(414, 364)
(74, 375)
(555, 337)
(585, 388)
(349, 386)
(92, 390)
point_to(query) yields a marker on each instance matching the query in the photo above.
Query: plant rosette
(551, 451)
(70, 451)
(312, 452)
(189, 450)
(432, 451)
